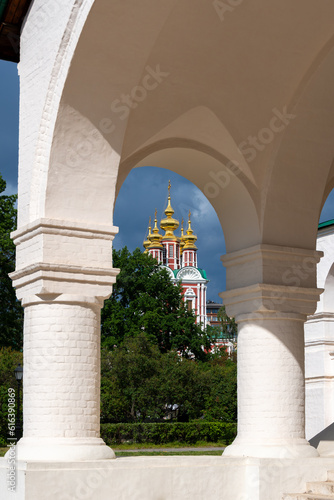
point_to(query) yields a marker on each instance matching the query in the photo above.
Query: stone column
(271, 290)
(64, 273)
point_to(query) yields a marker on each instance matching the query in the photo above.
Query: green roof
(327, 223)
(202, 272)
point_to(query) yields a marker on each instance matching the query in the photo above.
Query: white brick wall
(271, 380)
(61, 371)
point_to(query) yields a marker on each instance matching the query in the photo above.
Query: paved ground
(210, 448)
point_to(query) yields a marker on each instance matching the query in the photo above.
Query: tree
(11, 312)
(128, 381)
(139, 383)
(229, 328)
(144, 299)
(220, 399)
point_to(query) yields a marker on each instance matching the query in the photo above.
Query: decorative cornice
(320, 378)
(64, 228)
(190, 273)
(272, 265)
(264, 300)
(272, 252)
(47, 281)
(322, 316)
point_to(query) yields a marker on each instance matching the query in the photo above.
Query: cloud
(146, 189)
(10, 189)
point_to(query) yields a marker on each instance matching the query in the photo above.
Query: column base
(62, 449)
(292, 448)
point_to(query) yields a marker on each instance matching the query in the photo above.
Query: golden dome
(147, 242)
(155, 238)
(169, 225)
(190, 238)
(182, 242)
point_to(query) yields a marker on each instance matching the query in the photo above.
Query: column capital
(63, 260)
(43, 282)
(263, 301)
(271, 281)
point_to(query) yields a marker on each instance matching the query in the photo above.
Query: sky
(146, 192)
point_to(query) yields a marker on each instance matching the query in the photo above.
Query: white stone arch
(56, 48)
(208, 103)
(239, 220)
(82, 172)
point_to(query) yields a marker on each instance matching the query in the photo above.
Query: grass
(123, 450)
(176, 444)
(121, 454)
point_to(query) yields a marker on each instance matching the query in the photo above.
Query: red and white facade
(178, 254)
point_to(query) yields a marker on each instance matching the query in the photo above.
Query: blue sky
(146, 192)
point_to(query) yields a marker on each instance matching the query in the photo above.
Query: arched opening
(162, 97)
(146, 187)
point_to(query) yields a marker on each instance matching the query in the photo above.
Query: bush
(161, 433)
(9, 360)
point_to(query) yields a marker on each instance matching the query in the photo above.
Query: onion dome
(155, 238)
(147, 242)
(182, 242)
(169, 225)
(190, 238)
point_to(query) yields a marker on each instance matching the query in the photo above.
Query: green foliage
(229, 328)
(8, 362)
(128, 376)
(220, 400)
(11, 312)
(139, 383)
(145, 300)
(161, 433)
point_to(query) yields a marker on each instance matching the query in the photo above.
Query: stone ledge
(57, 226)
(167, 478)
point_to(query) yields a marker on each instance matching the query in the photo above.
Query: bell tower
(179, 255)
(170, 242)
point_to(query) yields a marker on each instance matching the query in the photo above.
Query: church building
(178, 254)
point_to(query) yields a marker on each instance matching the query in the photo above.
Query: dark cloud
(145, 190)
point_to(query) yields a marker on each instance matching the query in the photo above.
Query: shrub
(9, 360)
(161, 433)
